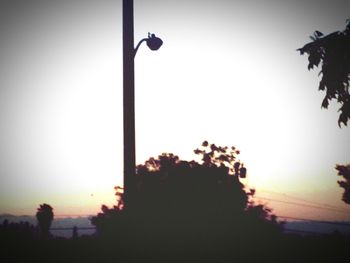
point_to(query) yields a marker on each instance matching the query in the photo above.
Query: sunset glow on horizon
(228, 72)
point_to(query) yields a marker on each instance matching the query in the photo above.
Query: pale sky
(228, 72)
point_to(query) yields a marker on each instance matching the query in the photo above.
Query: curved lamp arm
(153, 42)
(138, 45)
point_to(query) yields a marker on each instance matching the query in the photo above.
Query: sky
(228, 72)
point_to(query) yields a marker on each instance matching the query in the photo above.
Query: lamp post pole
(128, 101)
(129, 52)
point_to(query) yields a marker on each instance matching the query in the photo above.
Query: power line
(289, 230)
(285, 229)
(303, 231)
(279, 216)
(71, 228)
(304, 205)
(304, 200)
(315, 221)
(73, 215)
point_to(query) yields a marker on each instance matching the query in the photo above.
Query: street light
(153, 42)
(129, 52)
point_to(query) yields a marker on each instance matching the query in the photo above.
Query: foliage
(332, 51)
(12, 231)
(105, 221)
(344, 171)
(174, 198)
(45, 217)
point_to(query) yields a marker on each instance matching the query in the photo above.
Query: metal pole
(128, 100)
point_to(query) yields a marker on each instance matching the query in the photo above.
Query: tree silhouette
(332, 51)
(344, 171)
(45, 217)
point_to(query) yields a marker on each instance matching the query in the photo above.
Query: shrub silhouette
(344, 171)
(195, 205)
(16, 231)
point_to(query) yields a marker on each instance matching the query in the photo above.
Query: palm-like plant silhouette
(45, 217)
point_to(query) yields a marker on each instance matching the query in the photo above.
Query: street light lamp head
(153, 42)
